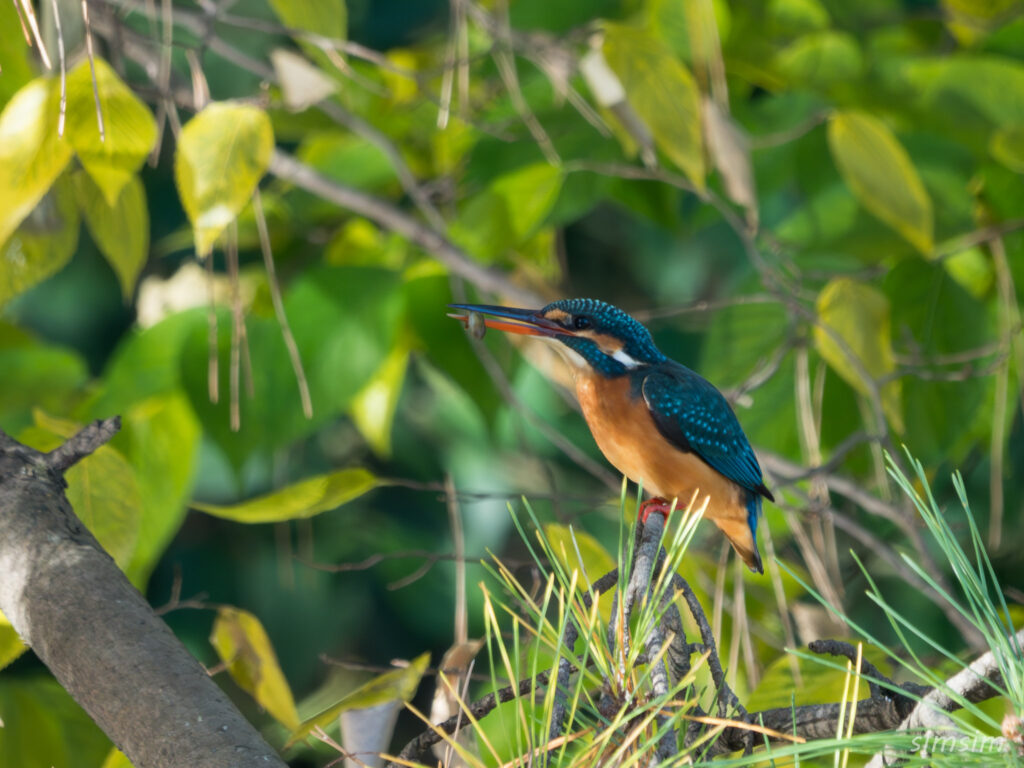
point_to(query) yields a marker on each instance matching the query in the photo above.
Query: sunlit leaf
(859, 315)
(397, 685)
(11, 646)
(116, 759)
(305, 498)
(221, 156)
(129, 129)
(31, 154)
(879, 172)
(242, 644)
(373, 408)
(662, 92)
(15, 60)
(529, 193)
(327, 18)
(819, 683)
(102, 488)
(121, 230)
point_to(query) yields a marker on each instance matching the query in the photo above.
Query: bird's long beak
(529, 322)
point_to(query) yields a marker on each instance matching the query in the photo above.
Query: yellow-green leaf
(15, 61)
(530, 194)
(11, 646)
(129, 130)
(43, 243)
(373, 408)
(302, 499)
(222, 154)
(242, 644)
(31, 154)
(327, 18)
(878, 170)
(859, 315)
(397, 685)
(1007, 146)
(121, 230)
(586, 553)
(102, 488)
(662, 92)
(116, 759)
(820, 682)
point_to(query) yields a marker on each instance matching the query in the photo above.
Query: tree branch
(68, 600)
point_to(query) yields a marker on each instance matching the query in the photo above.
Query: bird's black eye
(581, 322)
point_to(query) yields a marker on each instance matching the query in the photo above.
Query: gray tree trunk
(68, 600)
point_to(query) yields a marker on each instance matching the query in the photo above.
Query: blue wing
(694, 416)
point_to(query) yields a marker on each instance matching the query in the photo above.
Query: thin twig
(92, 69)
(83, 443)
(278, 302)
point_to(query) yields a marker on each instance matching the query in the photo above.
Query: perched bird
(661, 424)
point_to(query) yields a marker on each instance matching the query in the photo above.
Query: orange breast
(627, 435)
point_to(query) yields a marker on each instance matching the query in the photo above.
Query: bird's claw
(657, 506)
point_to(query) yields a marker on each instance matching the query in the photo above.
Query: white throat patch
(626, 359)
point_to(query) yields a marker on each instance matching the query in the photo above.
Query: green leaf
(674, 23)
(15, 63)
(36, 375)
(31, 154)
(662, 92)
(859, 315)
(878, 170)
(992, 85)
(43, 727)
(222, 154)
(163, 446)
(102, 488)
(129, 130)
(1007, 146)
(242, 644)
(820, 684)
(116, 759)
(327, 18)
(529, 194)
(820, 59)
(934, 315)
(121, 230)
(42, 245)
(795, 16)
(373, 408)
(11, 646)
(397, 685)
(305, 498)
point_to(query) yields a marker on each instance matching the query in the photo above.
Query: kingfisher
(659, 423)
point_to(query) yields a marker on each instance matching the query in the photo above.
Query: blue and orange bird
(658, 422)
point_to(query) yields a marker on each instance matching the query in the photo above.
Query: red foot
(656, 506)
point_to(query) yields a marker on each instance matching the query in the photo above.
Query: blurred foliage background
(818, 205)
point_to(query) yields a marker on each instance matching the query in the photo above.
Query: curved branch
(70, 602)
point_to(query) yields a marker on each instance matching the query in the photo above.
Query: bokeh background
(816, 204)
